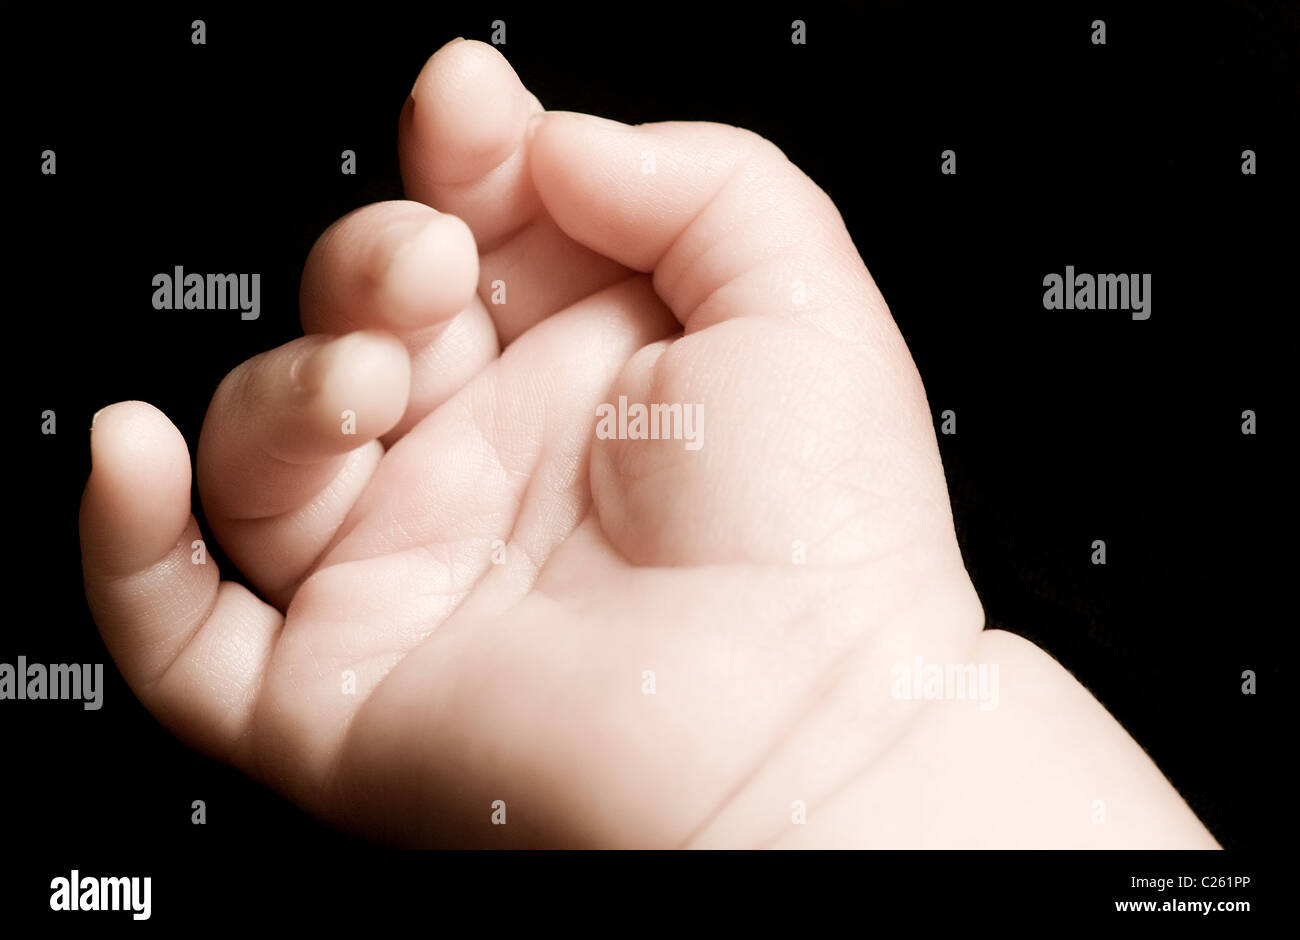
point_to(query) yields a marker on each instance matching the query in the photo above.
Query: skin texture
(725, 278)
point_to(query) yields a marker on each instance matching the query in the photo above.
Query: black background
(1072, 425)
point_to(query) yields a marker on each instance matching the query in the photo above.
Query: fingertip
(469, 110)
(430, 273)
(357, 388)
(137, 500)
(135, 438)
(397, 265)
(462, 140)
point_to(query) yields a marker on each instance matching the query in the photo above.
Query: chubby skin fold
(463, 593)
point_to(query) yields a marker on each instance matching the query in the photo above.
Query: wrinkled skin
(470, 597)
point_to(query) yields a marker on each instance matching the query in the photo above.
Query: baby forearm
(1047, 767)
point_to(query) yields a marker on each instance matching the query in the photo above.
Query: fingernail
(445, 45)
(309, 374)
